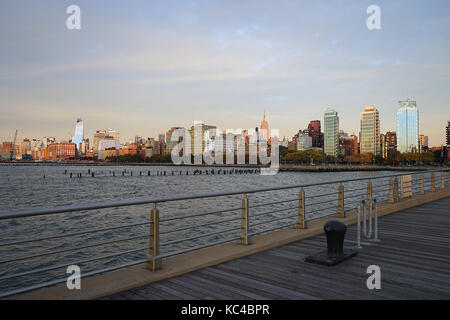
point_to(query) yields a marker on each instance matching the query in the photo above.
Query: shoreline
(283, 168)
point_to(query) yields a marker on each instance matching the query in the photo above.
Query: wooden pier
(413, 255)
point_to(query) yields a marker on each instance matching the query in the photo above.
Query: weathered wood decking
(414, 257)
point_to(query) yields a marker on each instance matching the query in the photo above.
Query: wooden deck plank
(414, 257)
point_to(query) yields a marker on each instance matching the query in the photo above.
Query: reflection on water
(25, 187)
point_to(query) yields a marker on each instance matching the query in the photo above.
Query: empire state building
(265, 128)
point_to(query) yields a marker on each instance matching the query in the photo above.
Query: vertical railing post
(244, 220)
(376, 220)
(369, 193)
(448, 178)
(396, 198)
(422, 189)
(301, 210)
(442, 180)
(341, 212)
(154, 263)
(358, 232)
(433, 187)
(391, 191)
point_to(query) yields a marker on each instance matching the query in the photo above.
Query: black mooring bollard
(335, 232)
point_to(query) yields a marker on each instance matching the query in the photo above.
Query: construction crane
(13, 146)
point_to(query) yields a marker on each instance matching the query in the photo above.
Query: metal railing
(244, 219)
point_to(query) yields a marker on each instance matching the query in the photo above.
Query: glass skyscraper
(79, 133)
(408, 127)
(331, 132)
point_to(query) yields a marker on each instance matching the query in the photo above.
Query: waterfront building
(131, 150)
(25, 146)
(79, 134)
(348, 145)
(391, 140)
(423, 143)
(47, 140)
(35, 143)
(197, 133)
(370, 131)
(107, 144)
(61, 151)
(170, 145)
(104, 135)
(315, 131)
(5, 150)
(353, 145)
(331, 132)
(304, 142)
(152, 147)
(408, 127)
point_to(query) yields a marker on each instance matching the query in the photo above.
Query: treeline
(137, 158)
(394, 158)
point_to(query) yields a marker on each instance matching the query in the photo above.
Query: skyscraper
(79, 133)
(331, 132)
(265, 128)
(370, 131)
(408, 127)
(316, 134)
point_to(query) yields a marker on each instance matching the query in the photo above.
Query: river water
(23, 187)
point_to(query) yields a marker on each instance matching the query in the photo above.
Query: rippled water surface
(24, 187)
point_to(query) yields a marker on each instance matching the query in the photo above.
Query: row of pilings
(126, 173)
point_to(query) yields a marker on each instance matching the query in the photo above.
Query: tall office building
(316, 134)
(408, 127)
(370, 131)
(79, 133)
(331, 132)
(264, 129)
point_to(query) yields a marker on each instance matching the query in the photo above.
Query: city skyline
(80, 135)
(144, 67)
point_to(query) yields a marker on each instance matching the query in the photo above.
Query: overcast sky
(141, 67)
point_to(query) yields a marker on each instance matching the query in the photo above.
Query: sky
(141, 67)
